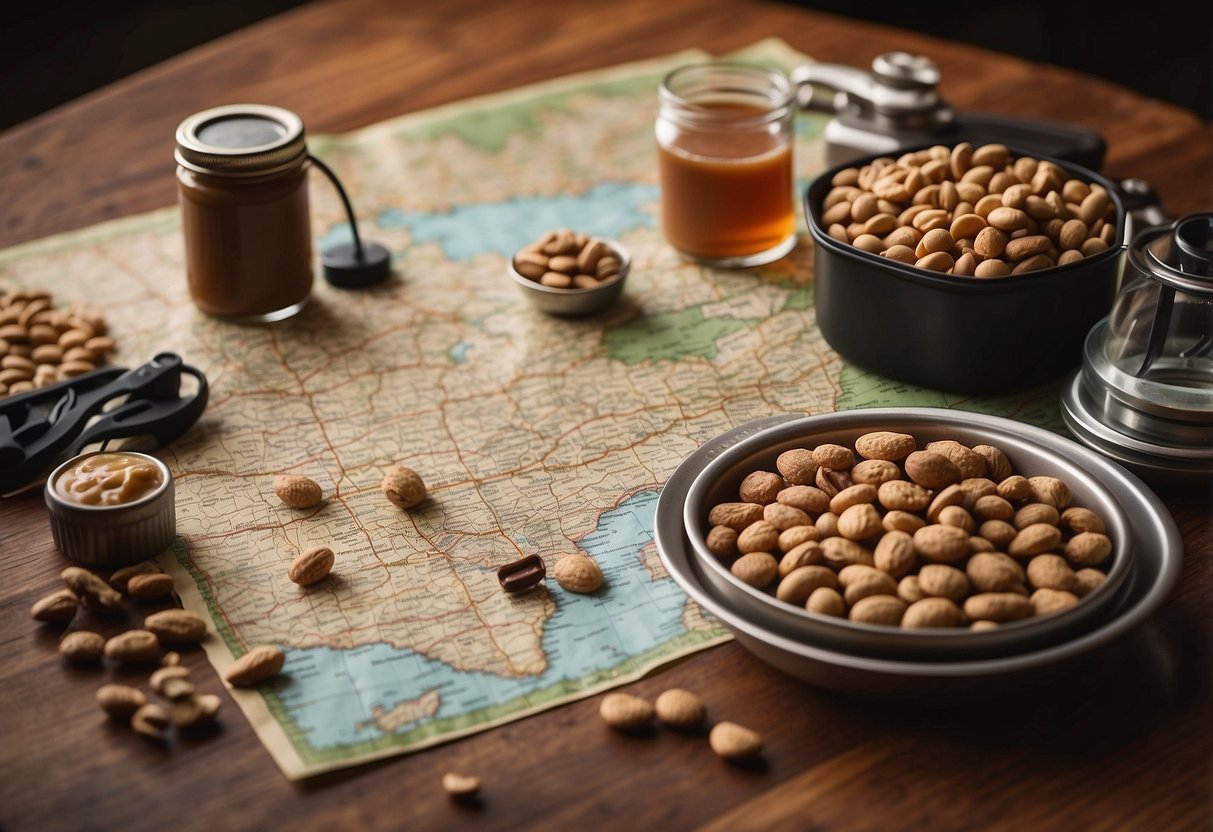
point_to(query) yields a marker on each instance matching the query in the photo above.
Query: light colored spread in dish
(109, 479)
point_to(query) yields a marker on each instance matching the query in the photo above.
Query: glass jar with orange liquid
(724, 146)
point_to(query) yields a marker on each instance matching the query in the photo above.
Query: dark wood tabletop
(1126, 745)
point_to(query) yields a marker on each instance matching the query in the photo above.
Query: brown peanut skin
(256, 666)
(735, 515)
(722, 542)
(981, 212)
(879, 609)
(761, 487)
(758, 569)
(311, 566)
(797, 466)
(931, 470)
(799, 584)
(403, 487)
(932, 612)
(997, 606)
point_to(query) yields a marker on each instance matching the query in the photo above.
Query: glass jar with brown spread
(243, 191)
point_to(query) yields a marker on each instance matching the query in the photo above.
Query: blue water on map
(587, 633)
(469, 230)
(459, 352)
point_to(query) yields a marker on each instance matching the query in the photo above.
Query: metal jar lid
(241, 140)
(1144, 395)
(113, 535)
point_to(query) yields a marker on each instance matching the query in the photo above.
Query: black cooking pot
(954, 333)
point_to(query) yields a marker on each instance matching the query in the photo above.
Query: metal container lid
(1144, 395)
(241, 140)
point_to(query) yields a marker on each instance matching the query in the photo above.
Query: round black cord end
(343, 267)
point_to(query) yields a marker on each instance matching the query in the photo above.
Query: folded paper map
(534, 434)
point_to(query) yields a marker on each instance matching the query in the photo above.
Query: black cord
(345, 200)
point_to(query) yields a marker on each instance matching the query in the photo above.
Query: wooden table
(1127, 746)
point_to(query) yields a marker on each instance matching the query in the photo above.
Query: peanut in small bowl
(111, 509)
(570, 275)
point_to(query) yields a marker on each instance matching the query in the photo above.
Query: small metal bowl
(1032, 451)
(113, 535)
(576, 302)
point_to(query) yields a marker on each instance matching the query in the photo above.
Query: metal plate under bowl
(1156, 571)
(1032, 451)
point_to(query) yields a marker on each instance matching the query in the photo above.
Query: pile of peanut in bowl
(973, 212)
(885, 532)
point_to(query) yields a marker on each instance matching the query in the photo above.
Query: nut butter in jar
(242, 179)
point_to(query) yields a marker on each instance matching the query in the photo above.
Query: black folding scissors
(40, 427)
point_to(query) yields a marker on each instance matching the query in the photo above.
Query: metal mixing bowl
(1032, 451)
(1154, 539)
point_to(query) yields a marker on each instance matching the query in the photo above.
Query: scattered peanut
(460, 786)
(150, 586)
(57, 608)
(297, 491)
(150, 720)
(133, 647)
(81, 646)
(177, 626)
(121, 578)
(93, 592)
(194, 710)
(255, 666)
(734, 742)
(311, 566)
(625, 712)
(403, 486)
(578, 573)
(172, 682)
(680, 709)
(120, 701)
(170, 679)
